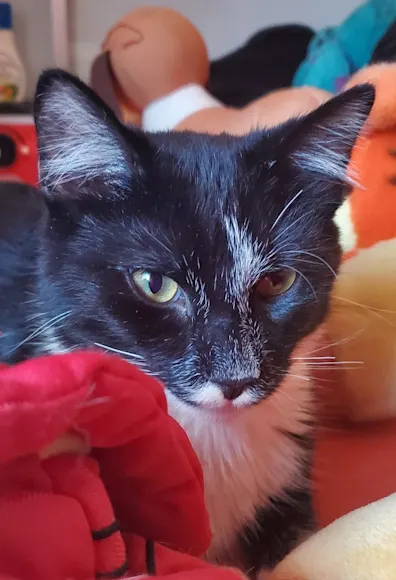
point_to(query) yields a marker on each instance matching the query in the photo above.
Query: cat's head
(203, 259)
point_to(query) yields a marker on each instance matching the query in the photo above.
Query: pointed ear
(79, 138)
(322, 142)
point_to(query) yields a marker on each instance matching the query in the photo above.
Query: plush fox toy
(368, 216)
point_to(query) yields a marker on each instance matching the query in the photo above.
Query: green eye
(155, 287)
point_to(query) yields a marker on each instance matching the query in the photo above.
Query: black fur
(279, 526)
(161, 205)
(21, 210)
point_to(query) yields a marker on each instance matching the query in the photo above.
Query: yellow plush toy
(358, 546)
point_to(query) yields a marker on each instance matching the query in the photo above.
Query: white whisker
(118, 351)
(326, 363)
(374, 311)
(313, 358)
(333, 365)
(282, 233)
(319, 258)
(341, 341)
(302, 378)
(342, 368)
(365, 306)
(287, 267)
(41, 329)
(284, 210)
(34, 316)
(130, 357)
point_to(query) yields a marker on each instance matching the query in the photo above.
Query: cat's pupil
(277, 279)
(155, 283)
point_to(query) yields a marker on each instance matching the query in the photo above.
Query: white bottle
(12, 73)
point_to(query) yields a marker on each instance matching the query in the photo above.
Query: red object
(18, 148)
(58, 516)
(352, 466)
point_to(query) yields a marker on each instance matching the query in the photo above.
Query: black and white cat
(206, 261)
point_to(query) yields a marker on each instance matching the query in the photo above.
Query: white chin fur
(245, 456)
(209, 396)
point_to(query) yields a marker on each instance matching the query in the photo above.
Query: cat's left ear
(80, 140)
(321, 144)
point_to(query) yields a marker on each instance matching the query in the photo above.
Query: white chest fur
(245, 455)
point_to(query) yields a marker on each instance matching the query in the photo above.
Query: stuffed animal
(358, 546)
(152, 51)
(363, 318)
(336, 53)
(160, 65)
(358, 426)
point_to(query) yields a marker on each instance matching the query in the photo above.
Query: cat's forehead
(205, 168)
(227, 265)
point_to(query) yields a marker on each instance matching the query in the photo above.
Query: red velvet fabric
(57, 516)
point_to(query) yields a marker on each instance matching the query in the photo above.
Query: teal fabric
(336, 53)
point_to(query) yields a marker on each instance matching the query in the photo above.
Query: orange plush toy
(160, 67)
(370, 216)
(354, 460)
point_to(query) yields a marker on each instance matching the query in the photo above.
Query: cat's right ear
(82, 146)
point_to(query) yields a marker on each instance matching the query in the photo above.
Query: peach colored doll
(153, 51)
(160, 65)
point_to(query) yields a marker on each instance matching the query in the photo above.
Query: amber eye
(155, 287)
(275, 283)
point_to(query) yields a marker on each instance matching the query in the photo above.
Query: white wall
(32, 24)
(224, 23)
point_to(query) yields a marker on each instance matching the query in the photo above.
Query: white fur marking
(245, 457)
(248, 259)
(210, 396)
(198, 286)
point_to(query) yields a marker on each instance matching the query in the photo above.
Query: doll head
(154, 51)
